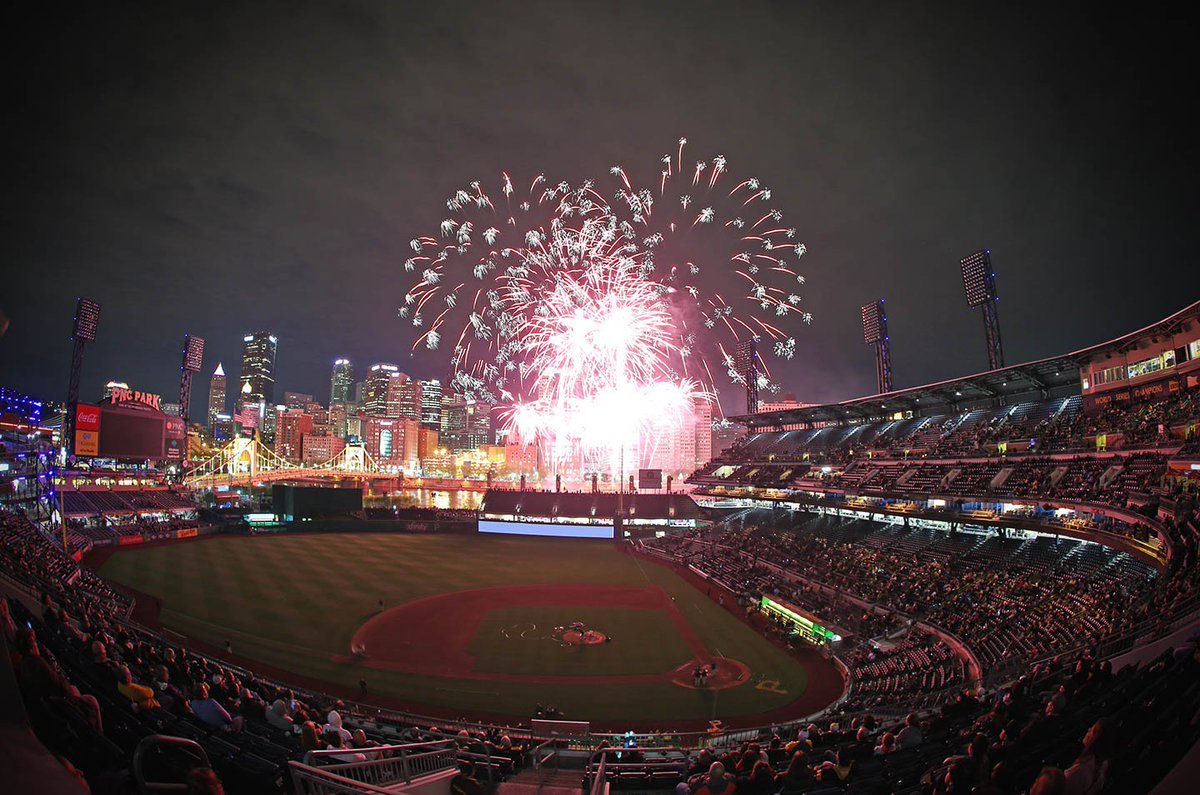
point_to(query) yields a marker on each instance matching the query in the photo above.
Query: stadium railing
(385, 767)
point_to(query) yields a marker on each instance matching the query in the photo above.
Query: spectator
(334, 741)
(210, 711)
(1050, 781)
(760, 781)
(798, 775)
(141, 696)
(334, 724)
(910, 736)
(40, 680)
(1088, 774)
(278, 717)
(716, 782)
(203, 781)
(887, 744)
(310, 737)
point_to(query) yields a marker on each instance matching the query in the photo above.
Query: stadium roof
(1057, 376)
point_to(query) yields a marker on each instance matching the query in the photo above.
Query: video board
(130, 435)
(547, 530)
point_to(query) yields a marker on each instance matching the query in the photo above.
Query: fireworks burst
(595, 314)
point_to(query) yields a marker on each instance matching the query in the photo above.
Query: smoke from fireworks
(597, 316)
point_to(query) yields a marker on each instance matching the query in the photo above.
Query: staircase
(546, 781)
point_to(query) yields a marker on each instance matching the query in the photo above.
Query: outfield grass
(294, 601)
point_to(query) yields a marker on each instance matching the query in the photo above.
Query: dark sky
(218, 168)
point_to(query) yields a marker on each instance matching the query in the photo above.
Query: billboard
(547, 530)
(175, 438)
(87, 429)
(131, 435)
(650, 479)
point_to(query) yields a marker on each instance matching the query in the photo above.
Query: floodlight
(978, 278)
(87, 317)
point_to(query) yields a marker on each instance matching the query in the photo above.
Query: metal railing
(385, 765)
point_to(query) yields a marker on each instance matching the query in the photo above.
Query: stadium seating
(983, 656)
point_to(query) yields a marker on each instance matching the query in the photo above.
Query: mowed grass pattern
(294, 601)
(520, 640)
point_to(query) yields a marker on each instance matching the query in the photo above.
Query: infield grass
(294, 602)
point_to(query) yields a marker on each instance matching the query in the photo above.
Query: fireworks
(594, 315)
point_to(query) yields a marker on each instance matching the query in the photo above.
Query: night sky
(219, 168)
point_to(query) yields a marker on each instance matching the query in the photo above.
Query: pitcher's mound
(589, 637)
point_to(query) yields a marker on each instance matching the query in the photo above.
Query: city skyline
(216, 190)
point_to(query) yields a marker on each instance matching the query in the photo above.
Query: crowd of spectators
(95, 684)
(1011, 601)
(1083, 729)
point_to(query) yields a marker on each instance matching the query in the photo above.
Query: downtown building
(393, 442)
(291, 426)
(341, 382)
(216, 394)
(431, 404)
(256, 382)
(383, 391)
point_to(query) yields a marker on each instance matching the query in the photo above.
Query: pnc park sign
(123, 396)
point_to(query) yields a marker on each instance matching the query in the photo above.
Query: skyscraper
(297, 400)
(216, 394)
(291, 426)
(258, 367)
(431, 404)
(341, 382)
(384, 391)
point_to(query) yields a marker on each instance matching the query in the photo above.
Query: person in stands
(277, 716)
(760, 781)
(139, 695)
(1088, 774)
(203, 781)
(717, 782)
(40, 679)
(798, 776)
(910, 736)
(210, 711)
(334, 724)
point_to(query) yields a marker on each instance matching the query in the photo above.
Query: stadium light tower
(87, 318)
(875, 332)
(193, 358)
(746, 363)
(979, 281)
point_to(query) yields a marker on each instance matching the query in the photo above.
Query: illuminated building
(703, 435)
(216, 394)
(391, 441)
(258, 368)
(221, 427)
(427, 442)
(316, 448)
(339, 419)
(297, 400)
(383, 391)
(410, 398)
(520, 458)
(18, 407)
(453, 423)
(479, 425)
(341, 382)
(431, 403)
(269, 416)
(291, 425)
